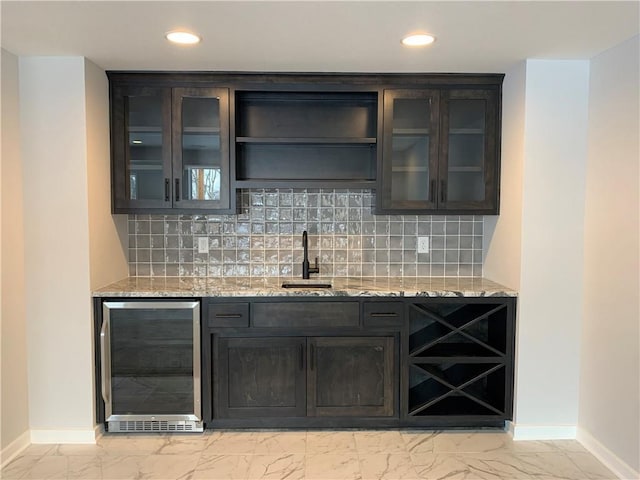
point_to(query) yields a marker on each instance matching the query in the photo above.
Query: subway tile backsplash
(265, 239)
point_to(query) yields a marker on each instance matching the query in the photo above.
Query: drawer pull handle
(228, 315)
(390, 314)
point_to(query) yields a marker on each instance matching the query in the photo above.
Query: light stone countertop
(272, 286)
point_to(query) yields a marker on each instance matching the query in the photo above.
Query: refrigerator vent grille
(155, 426)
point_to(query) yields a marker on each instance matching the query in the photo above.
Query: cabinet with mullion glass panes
(441, 150)
(170, 148)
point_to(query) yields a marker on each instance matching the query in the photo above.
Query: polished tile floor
(320, 455)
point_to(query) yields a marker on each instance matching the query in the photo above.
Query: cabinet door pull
(167, 190)
(443, 191)
(105, 360)
(433, 191)
(228, 315)
(177, 189)
(381, 314)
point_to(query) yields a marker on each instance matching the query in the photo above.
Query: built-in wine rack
(460, 359)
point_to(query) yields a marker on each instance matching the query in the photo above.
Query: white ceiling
(316, 36)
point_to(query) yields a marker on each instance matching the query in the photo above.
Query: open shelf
(454, 405)
(466, 131)
(457, 389)
(457, 330)
(410, 131)
(308, 140)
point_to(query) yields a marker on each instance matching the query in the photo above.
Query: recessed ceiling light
(136, 142)
(418, 40)
(182, 37)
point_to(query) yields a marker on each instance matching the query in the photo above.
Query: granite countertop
(272, 286)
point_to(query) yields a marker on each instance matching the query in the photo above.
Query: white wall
(503, 233)
(14, 417)
(536, 243)
(59, 331)
(610, 371)
(72, 242)
(108, 240)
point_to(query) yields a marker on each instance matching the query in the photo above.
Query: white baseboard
(542, 432)
(610, 460)
(63, 436)
(12, 450)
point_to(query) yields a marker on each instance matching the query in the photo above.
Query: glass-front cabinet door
(170, 149)
(201, 148)
(141, 142)
(410, 151)
(467, 167)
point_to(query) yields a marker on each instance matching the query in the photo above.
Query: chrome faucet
(306, 269)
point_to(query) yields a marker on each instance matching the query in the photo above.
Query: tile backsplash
(265, 239)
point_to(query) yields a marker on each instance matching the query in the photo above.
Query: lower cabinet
(460, 362)
(350, 362)
(305, 376)
(262, 377)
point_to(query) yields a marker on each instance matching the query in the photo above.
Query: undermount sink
(305, 284)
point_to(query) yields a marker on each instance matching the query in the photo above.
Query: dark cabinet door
(350, 376)
(141, 148)
(261, 377)
(467, 177)
(409, 170)
(201, 148)
(440, 151)
(170, 149)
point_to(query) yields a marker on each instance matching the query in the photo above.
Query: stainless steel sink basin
(305, 284)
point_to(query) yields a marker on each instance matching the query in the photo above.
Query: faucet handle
(315, 268)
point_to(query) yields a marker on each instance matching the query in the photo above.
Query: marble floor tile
(277, 467)
(47, 467)
(387, 466)
(39, 449)
(310, 455)
(163, 467)
(515, 466)
(331, 442)
(448, 466)
(218, 467)
(139, 444)
(84, 467)
(419, 441)
(232, 443)
(77, 450)
(470, 442)
(591, 466)
(182, 445)
(383, 441)
(332, 467)
(277, 443)
(121, 467)
(19, 466)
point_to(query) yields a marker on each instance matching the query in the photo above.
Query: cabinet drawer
(305, 314)
(228, 315)
(383, 314)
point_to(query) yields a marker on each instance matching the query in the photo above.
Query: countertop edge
(244, 287)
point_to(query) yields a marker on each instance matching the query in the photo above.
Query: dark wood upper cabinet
(441, 151)
(184, 142)
(170, 149)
